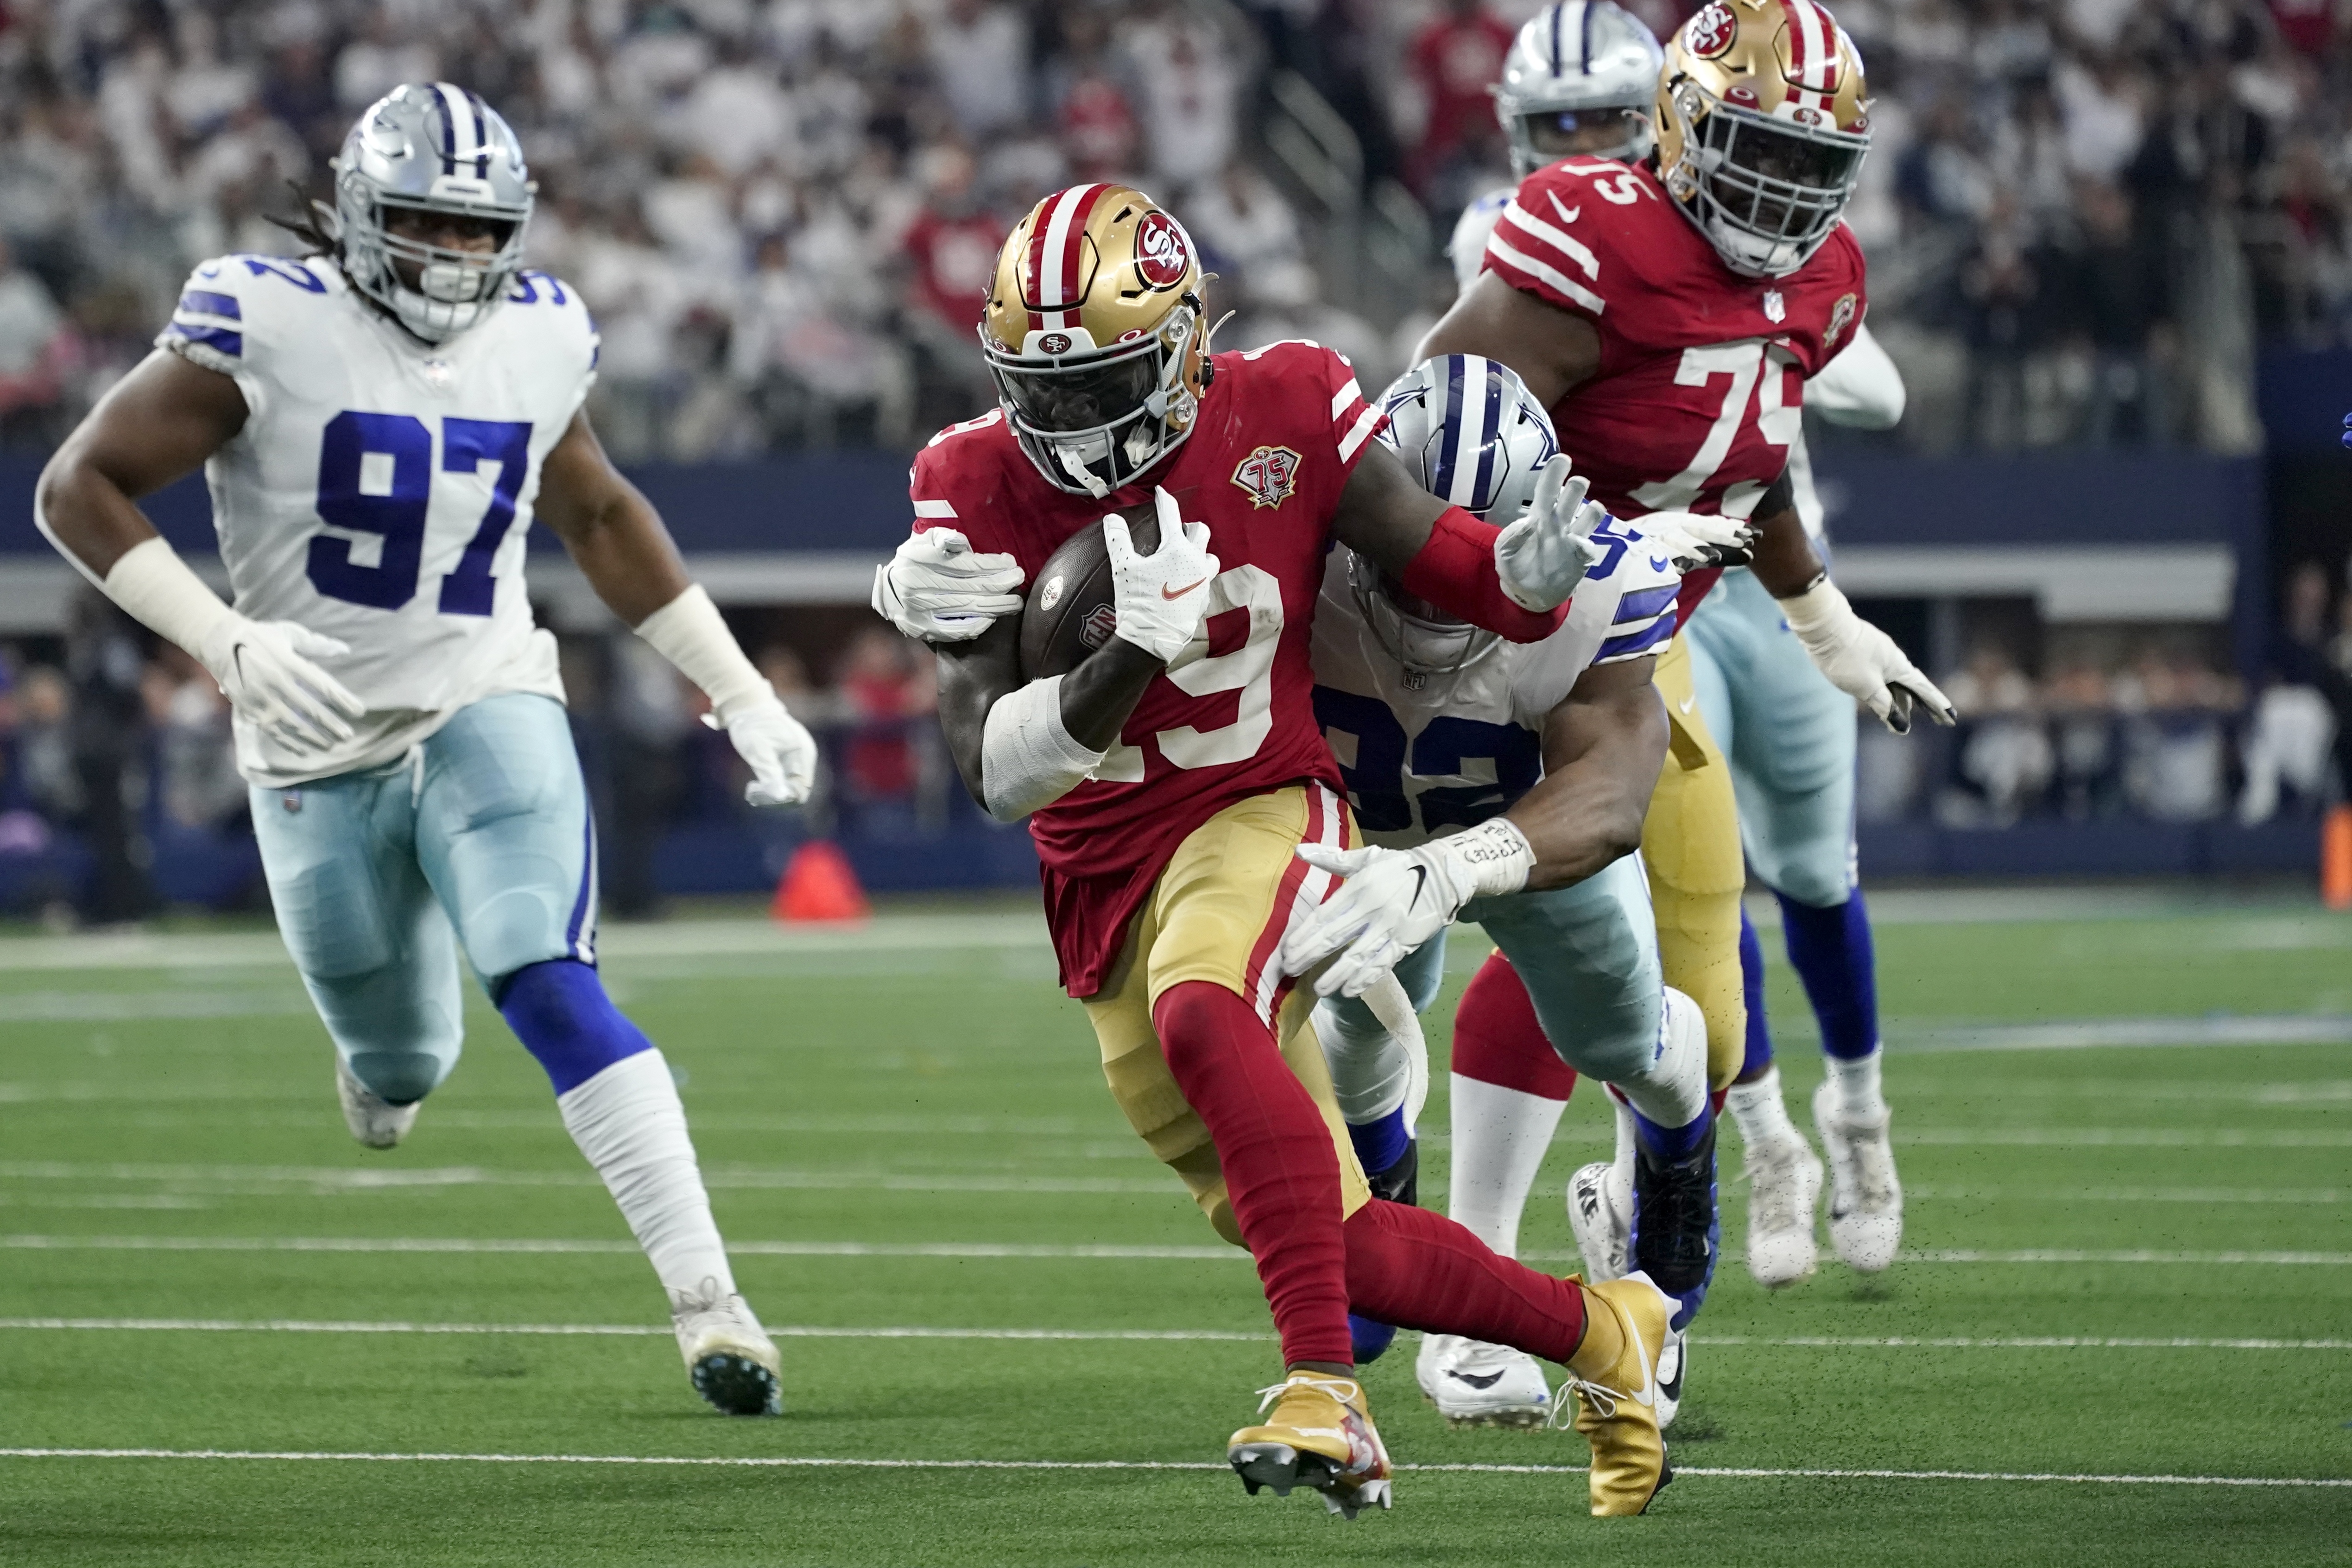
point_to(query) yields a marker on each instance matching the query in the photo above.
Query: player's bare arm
(1554, 351)
(613, 533)
(157, 423)
(1602, 748)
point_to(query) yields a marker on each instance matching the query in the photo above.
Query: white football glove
(1161, 598)
(1545, 554)
(936, 588)
(265, 669)
(776, 747)
(1695, 540)
(1861, 660)
(1395, 900)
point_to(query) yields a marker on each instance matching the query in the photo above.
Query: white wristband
(1496, 856)
(1815, 607)
(690, 634)
(1028, 759)
(158, 590)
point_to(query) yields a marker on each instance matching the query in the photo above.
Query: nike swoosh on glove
(1545, 554)
(1161, 598)
(1861, 660)
(265, 669)
(1395, 900)
(936, 588)
(776, 747)
(1695, 539)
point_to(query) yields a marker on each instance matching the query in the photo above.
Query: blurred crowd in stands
(2081, 214)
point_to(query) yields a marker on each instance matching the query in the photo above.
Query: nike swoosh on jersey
(1168, 593)
(1658, 565)
(1686, 703)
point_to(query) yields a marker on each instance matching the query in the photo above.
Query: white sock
(1500, 1139)
(1757, 1109)
(1858, 1085)
(1671, 1090)
(628, 1121)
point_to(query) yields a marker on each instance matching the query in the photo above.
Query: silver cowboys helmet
(431, 147)
(1575, 65)
(1470, 432)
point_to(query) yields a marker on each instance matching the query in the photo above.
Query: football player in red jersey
(1668, 310)
(1171, 775)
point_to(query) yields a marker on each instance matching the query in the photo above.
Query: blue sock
(1831, 952)
(1380, 1143)
(1751, 982)
(1671, 1143)
(560, 1011)
(1370, 1339)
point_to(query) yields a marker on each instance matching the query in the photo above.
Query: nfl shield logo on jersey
(1269, 474)
(1776, 307)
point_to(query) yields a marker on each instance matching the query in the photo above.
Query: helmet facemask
(1091, 420)
(437, 151)
(1410, 630)
(1543, 137)
(1766, 191)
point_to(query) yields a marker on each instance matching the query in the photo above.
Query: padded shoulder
(235, 309)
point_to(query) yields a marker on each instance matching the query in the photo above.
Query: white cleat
(1865, 1197)
(1784, 1183)
(1601, 1213)
(1672, 1361)
(1473, 1383)
(374, 1120)
(729, 1355)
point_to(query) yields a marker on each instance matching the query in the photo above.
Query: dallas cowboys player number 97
(379, 422)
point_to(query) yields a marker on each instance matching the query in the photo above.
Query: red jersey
(1701, 386)
(1279, 431)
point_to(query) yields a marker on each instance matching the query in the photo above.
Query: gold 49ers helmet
(1094, 334)
(1763, 120)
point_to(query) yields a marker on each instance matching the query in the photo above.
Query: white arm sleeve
(158, 590)
(1028, 760)
(1860, 386)
(690, 634)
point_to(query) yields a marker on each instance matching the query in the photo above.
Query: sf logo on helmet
(1710, 32)
(1162, 254)
(1055, 343)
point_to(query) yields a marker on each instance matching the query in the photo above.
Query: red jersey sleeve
(1533, 249)
(1324, 377)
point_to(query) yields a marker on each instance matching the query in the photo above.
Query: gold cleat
(1617, 1407)
(1320, 1436)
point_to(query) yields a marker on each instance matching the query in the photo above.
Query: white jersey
(1467, 248)
(381, 488)
(1425, 751)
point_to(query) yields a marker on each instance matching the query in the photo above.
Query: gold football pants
(1690, 843)
(1217, 913)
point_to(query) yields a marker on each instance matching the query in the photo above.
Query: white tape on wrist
(1816, 608)
(689, 632)
(1028, 760)
(162, 593)
(1495, 856)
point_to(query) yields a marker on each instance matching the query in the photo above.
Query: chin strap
(1078, 470)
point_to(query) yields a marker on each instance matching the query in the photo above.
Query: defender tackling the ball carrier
(1170, 776)
(1669, 309)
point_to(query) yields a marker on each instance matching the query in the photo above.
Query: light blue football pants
(1589, 956)
(483, 828)
(1790, 738)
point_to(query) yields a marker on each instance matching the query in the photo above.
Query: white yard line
(810, 1462)
(428, 1244)
(2058, 1197)
(1212, 1336)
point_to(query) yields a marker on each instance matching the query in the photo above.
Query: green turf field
(2129, 1280)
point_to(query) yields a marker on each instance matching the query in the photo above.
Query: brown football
(1071, 610)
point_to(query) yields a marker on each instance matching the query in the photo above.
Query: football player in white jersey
(1448, 738)
(379, 424)
(1580, 80)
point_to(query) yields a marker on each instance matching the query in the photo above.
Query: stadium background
(2109, 249)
